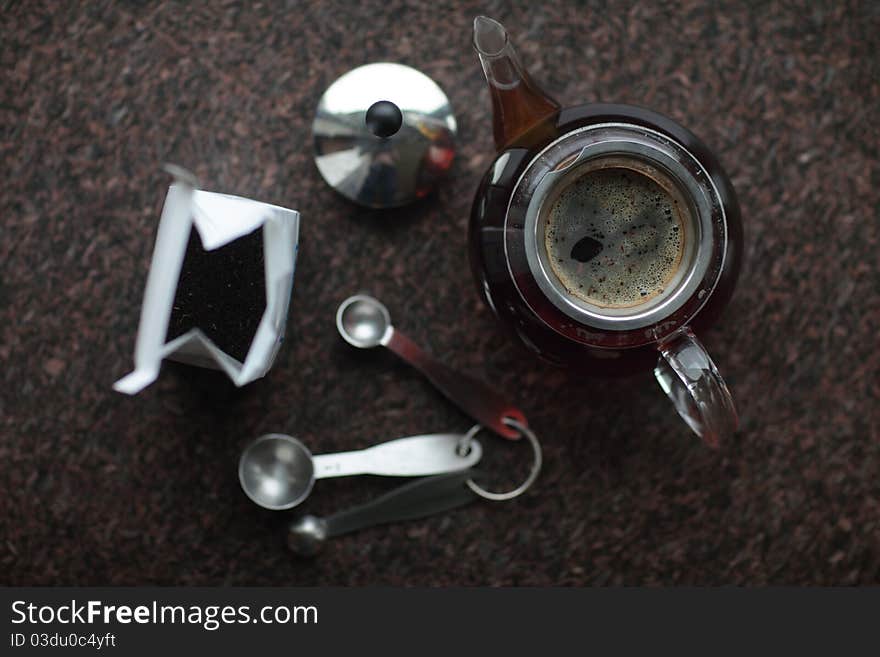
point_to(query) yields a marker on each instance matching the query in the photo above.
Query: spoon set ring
(277, 471)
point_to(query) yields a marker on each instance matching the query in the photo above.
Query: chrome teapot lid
(384, 135)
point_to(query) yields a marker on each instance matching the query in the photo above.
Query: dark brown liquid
(615, 238)
(519, 109)
(492, 268)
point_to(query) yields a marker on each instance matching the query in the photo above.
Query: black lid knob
(384, 118)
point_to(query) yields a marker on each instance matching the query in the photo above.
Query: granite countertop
(99, 488)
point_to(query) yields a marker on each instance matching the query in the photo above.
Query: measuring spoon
(277, 471)
(365, 323)
(418, 499)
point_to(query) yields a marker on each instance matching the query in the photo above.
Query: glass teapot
(603, 236)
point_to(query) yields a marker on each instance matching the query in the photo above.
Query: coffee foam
(615, 238)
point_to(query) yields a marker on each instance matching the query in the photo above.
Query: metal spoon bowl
(276, 471)
(363, 321)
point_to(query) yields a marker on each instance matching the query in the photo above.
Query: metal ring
(464, 445)
(536, 466)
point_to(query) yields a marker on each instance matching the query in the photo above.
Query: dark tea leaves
(222, 292)
(586, 249)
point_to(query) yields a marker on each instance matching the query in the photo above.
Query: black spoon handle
(417, 499)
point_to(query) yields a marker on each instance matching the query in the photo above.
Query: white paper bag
(219, 219)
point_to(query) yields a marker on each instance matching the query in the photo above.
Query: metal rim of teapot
(657, 149)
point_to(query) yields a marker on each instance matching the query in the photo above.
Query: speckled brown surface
(98, 488)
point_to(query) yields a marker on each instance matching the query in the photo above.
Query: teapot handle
(690, 379)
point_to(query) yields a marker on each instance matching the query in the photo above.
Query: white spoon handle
(416, 456)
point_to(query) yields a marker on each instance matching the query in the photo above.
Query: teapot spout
(517, 103)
